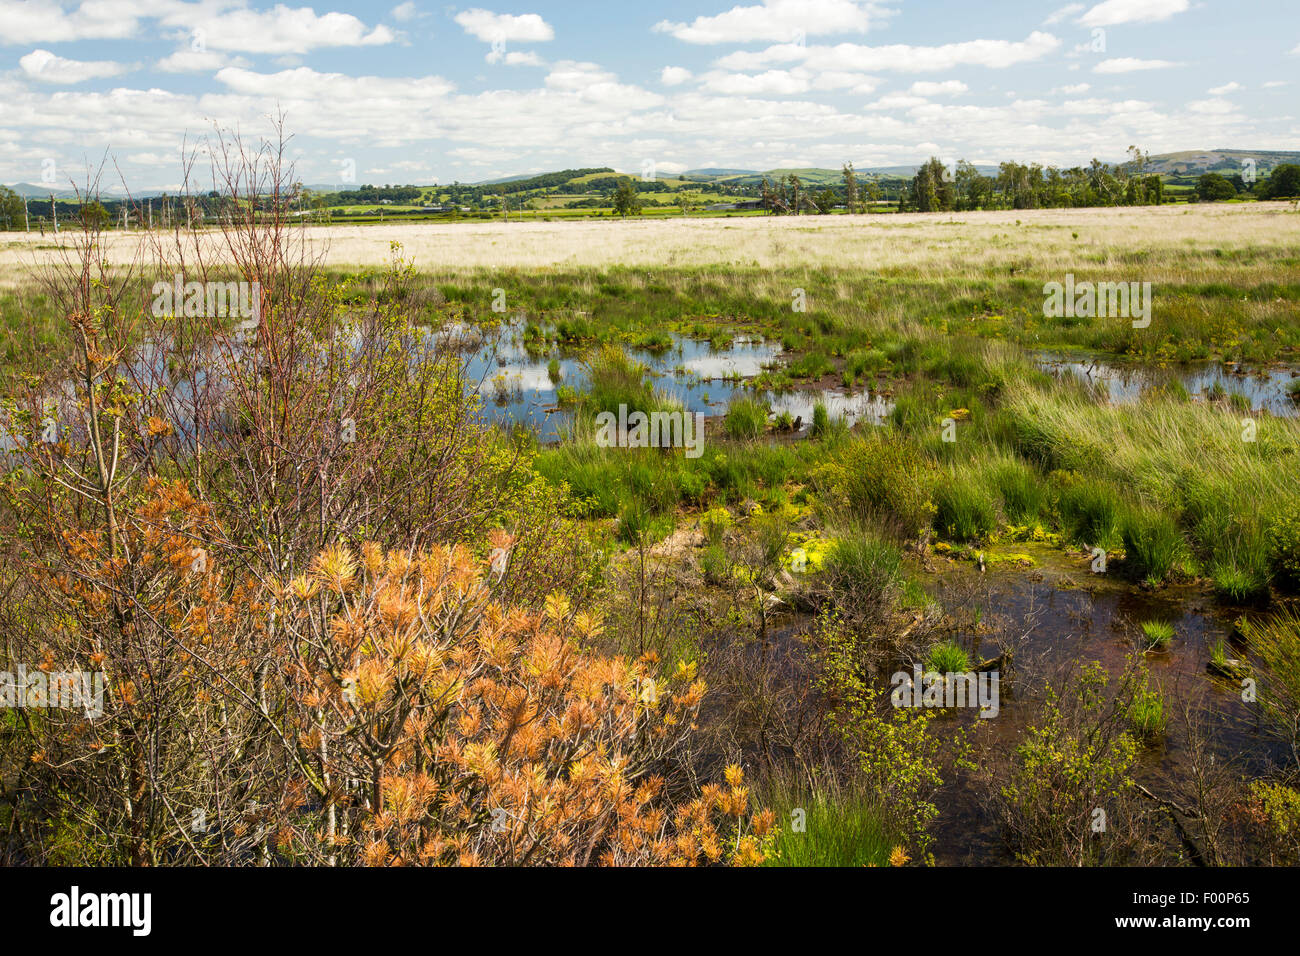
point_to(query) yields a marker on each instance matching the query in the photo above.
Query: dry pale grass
(950, 244)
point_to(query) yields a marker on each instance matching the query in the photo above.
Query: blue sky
(427, 92)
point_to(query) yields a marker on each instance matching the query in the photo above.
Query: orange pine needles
(473, 734)
(377, 707)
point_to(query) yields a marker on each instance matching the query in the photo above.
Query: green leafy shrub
(1277, 816)
(884, 474)
(1284, 547)
(1077, 758)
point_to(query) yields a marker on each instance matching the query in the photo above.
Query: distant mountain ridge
(1183, 163)
(1194, 161)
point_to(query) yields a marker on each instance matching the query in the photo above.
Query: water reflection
(520, 387)
(1265, 388)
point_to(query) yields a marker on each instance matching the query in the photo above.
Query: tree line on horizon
(935, 187)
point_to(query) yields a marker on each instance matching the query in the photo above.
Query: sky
(423, 92)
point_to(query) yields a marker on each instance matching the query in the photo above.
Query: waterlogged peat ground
(1059, 614)
(517, 387)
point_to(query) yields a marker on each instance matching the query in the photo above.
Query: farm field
(1044, 237)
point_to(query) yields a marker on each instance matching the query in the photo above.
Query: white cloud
(1274, 84)
(901, 58)
(1217, 106)
(504, 27)
(44, 66)
(1096, 106)
(777, 20)
(1065, 12)
(405, 12)
(946, 88)
(780, 82)
(845, 80)
(1128, 64)
(1113, 12)
(574, 75)
(757, 107)
(897, 101)
(1232, 87)
(278, 30)
(787, 82)
(304, 83)
(1295, 50)
(592, 83)
(583, 110)
(165, 160)
(514, 58)
(197, 61)
(45, 21)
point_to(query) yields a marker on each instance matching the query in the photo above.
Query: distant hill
(1197, 161)
(907, 172)
(29, 191)
(720, 171)
(815, 176)
(1179, 167)
(33, 191)
(503, 179)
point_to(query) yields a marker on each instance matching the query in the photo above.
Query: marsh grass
(948, 657)
(1218, 270)
(746, 418)
(1240, 579)
(812, 365)
(1154, 548)
(1147, 713)
(864, 568)
(1283, 535)
(1021, 488)
(964, 508)
(820, 419)
(1219, 653)
(849, 831)
(882, 476)
(614, 379)
(1158, 451)
(1157, 633)
(1276, 642)
(863, 363)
